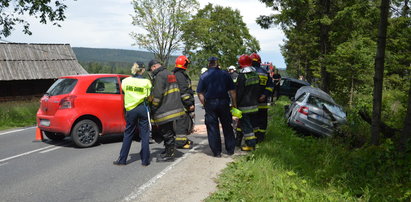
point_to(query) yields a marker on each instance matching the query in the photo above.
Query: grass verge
(18, 113)
(292, 167)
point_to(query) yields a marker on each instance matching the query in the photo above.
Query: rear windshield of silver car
(61, 87)
(319, 102)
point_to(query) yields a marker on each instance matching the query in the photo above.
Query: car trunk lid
(57, 96)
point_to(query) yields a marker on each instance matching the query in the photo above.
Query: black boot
(260, 137)
(238, 139)
(168, 155)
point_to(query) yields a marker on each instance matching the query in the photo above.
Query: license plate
(45, 122)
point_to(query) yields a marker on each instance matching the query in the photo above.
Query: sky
(107, 24)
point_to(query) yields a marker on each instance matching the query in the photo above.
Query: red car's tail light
(303, 110)
(67, 102)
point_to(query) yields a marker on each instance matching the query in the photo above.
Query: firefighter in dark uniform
(248, 84)
(265, 91)
(184, 126)
(212, 90)
(166, 107)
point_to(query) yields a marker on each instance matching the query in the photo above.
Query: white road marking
(26, 153)
(153, 180)
(52, 149)
(3, 164)
(14, 131)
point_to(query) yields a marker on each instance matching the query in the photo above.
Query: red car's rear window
(62, 86)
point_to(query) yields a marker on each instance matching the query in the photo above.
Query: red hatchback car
(83, 107)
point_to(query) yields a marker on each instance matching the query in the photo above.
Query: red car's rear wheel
(85, 133)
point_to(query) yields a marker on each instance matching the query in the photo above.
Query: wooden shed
(30, 69)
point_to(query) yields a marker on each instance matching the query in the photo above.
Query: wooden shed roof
(21, 61)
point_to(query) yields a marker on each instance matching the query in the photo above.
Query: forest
(334, 45)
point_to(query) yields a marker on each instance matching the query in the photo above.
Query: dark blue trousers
(136, 118)
(218, 110)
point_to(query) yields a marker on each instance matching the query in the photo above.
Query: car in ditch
(315, 111)
(83, 107)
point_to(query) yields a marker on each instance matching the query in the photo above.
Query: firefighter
(265, 92)
(233, 73)
(248, 84)
(136, 91)
(166, 107)
(185, 125)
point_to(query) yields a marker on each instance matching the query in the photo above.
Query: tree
(379, 72)
(13, 12)
(351, 66)
(406, 134)
(217, 31)
(162, 20)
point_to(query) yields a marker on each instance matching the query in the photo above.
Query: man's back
(215, 84)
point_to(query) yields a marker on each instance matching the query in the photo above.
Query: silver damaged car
(315, 111)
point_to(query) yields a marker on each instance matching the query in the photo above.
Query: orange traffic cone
(39, 135)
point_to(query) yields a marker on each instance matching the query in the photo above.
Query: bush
(18, 113)
(292, 167)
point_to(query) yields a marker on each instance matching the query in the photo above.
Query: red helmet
(255, 57)
(244, 61)
(182, 62)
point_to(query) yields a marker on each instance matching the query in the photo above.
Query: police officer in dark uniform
(213, 89)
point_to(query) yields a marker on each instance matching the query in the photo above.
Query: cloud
(107, 24)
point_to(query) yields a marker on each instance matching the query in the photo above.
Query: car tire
(54, 136)
(85, 133)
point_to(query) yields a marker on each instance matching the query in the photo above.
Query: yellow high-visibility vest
(135, 91)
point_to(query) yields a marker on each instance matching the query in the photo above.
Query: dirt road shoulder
(190, 179)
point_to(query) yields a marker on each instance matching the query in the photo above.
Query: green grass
(293, 167)
(18, 113)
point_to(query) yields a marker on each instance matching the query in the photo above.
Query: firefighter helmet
(255, 57)
(244, 61)
(182, 62)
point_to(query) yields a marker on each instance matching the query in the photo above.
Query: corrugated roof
(21, 61)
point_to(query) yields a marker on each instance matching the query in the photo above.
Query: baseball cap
(153, 62)
(212, 58)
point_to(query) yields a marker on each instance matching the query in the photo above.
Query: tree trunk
(406, 130)
(324, 43)
(379, 72)
(351, 92)
(405, 9)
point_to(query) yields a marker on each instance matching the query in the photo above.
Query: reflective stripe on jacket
(266, 82)
(248, 90)
(184, 84)
(167, 105)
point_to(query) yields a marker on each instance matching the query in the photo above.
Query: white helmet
(231, 68)
(203, 70)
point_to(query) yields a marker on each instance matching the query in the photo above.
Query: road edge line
(134, 195)
(24, 154)
(17, 130)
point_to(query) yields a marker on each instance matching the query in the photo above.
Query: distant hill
(106, 55)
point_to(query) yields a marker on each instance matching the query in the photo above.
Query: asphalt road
(59, 171)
